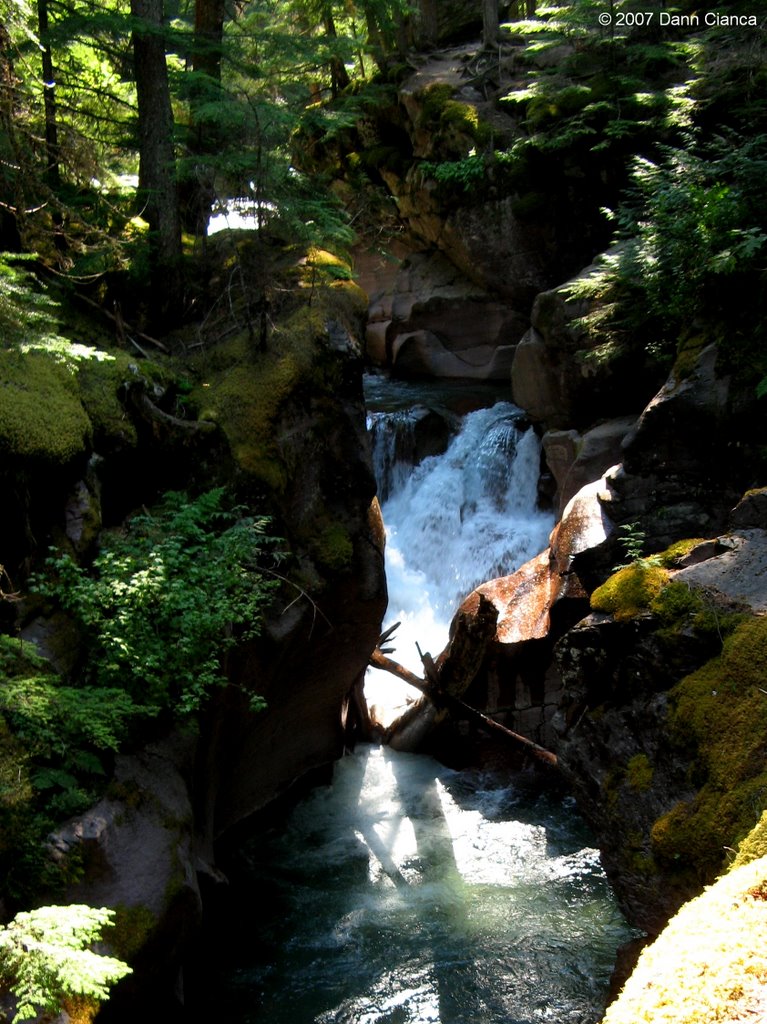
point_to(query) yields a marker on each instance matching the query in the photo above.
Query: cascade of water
(452, 522)
(393, 446)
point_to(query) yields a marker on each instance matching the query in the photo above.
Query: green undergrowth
(154, 617)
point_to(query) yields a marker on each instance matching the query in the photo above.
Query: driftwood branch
(441, 699)
(188, 426)
(120, 324)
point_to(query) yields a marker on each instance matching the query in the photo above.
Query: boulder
(736, 575)
(578, 459)
(660, 721)
(138, 853)
(561, 376)
(533, 607)
(434, 321)
(684, 465)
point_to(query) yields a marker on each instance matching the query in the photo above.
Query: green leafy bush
(45, 959)
(166, 599)
(692, 236)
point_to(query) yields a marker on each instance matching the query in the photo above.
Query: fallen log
(441, 699)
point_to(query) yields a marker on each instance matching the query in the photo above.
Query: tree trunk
(339, 76)
(158, 192)
(206, 137)
(49, 98)
(428, 26)
(490, 23)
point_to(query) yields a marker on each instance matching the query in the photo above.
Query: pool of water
(406, 893)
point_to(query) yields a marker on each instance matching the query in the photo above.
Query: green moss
(433, 100)
(675, 602)
(101, 382)
(551, 106)
(754, 845)
(708, 964)
(630, 590)
(718, 719)
(130, 929)
(246, 394)
(41, 415)
(334, 548)
(639, 773)
(688, 353)
(673, 554)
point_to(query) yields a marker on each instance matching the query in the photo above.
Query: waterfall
(452, 521)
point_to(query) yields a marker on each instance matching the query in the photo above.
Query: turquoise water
(407, 893)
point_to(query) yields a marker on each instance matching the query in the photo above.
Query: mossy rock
(100, 382)
(708, 964)
(433, 100)
(41, 414)
(718, 719)
(639, 773)
(630, 590)
(333, 548)
(246, 393)
(130, 928)
(754, 845)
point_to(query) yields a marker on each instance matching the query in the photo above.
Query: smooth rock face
(143, 857)
(738, 575)
(434, 321)
(683, 466)
(576, 460)
(560, 378)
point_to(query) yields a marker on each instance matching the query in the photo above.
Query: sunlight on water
(406, 892)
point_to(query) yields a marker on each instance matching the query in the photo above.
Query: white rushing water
(407, 893)
(452, 522)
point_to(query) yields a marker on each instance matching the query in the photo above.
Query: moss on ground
(708, 965)
(630, 590)
(41, 415)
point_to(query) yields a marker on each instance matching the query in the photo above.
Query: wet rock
(518, 681)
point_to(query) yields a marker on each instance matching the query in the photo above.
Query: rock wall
(286, 431)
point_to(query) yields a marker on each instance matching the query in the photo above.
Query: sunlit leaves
(45, 957)
(167, 598)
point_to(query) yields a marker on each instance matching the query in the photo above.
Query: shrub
(44, 959)
(166, 599)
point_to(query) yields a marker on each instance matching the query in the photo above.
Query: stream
(403, 891)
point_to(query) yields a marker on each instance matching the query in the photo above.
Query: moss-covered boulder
(663, 722)
(708, 965)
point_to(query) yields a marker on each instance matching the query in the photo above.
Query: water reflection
(407, 893)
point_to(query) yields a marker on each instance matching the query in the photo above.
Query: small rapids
(404, 892)
(407, 893)
(452, 521)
